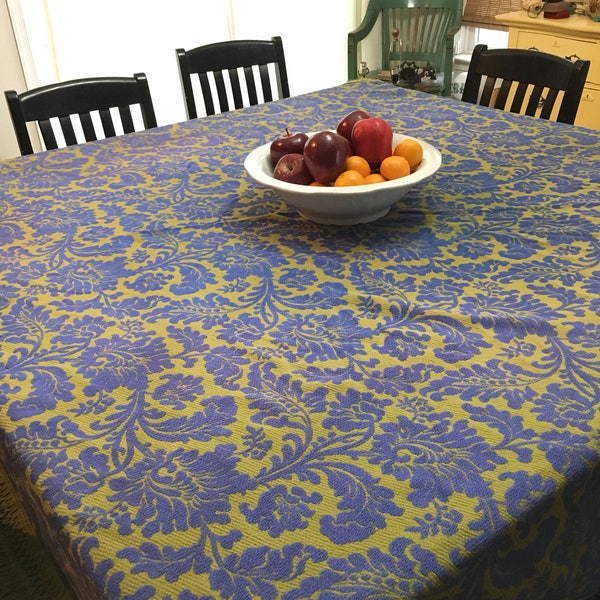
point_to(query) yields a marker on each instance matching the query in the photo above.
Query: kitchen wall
(11, 77)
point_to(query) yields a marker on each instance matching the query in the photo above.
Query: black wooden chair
(530, 82)
(223, 60)
(64, 101)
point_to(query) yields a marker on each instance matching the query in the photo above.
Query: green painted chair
(427, 29)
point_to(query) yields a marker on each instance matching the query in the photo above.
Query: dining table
(204, 395)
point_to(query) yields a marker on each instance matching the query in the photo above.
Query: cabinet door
(565, 47)
(588, 114)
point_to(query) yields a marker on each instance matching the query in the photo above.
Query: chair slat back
(47, 135)
(234, 79)
(87, 125)
(68, 131)
(77, 100)
(265, 81)
(422, 30)
(530, 82)
(231, 66)
(126, 119)
(107, 123)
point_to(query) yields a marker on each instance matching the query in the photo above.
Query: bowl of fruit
(353, 174)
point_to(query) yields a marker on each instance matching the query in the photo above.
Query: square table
(203, 395)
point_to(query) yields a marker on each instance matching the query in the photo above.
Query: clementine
(394, 167)
(375, 178)
(358, 163)
(349, 177)
(411, 150)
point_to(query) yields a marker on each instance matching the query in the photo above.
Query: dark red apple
(288, 143)
(347, 123)
(325, 155)
(292, 168)
(372, 139)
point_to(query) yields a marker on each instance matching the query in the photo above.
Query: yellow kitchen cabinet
(575, 37)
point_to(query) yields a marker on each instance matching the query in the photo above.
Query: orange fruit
(374, 178)
(411, 150)
(394, 167)
(358, 163)
(349, 177)
(317, 184)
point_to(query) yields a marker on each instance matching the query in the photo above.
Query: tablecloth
(203, 395)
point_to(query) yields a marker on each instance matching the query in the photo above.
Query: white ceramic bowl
(342, 205)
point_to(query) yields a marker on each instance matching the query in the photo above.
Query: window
(480, 27)
(471, 36)
(481, 13)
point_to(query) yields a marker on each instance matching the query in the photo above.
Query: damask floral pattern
(203, 396)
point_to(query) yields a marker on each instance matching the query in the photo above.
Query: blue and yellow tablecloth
(204, 396)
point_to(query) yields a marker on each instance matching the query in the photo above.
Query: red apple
(325, 155)
(372, 139)
(347, 123)
(292, 168)
(288, 143)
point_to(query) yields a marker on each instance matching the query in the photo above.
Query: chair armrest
(354, 37)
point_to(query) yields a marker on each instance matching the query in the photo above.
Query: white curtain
(66, 39)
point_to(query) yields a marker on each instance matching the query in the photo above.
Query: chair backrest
(427, 29)
(70, 103)
(525, 81)
(224, 60)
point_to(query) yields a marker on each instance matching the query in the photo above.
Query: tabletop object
(344, 205)
(205, 396)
